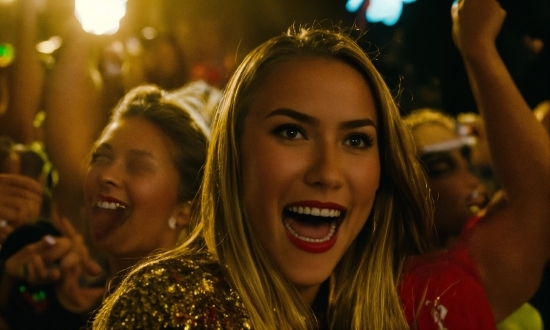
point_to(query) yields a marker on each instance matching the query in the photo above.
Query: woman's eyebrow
(293, 114)
(439, 155)
(141, 153)
(311, 120)
(357, 123)
(132, 152)
(102, 145)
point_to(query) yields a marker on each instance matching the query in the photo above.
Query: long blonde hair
(364, 287)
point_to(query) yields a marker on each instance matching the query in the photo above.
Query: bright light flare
(385, 11)
(353, 5)
(100, 16)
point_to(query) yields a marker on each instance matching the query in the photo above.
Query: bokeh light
(385, 11)
(100, 16)
(7, 54)
(50, 45)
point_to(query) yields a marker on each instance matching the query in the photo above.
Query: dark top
(30, 306)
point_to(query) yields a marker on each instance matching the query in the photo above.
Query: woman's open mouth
(478, 200)
(313, 229)
(107, 215)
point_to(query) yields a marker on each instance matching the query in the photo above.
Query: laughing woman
(311, 186)
(141, 180)
(138, 188)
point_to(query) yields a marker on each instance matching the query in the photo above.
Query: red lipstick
(312, 247)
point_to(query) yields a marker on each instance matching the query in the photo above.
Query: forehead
(311, 84)
(432, 133)
(136, 133)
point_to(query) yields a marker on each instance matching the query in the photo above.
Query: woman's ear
(183, 214)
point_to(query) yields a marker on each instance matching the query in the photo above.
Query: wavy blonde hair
(423, 116)
(364, 288)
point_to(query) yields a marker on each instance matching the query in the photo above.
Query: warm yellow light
(133, 46)
(100, 16)
(149, 33)
(50, 45)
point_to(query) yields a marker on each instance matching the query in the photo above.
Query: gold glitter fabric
(176, 294)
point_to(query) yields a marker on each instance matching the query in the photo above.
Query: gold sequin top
(175, 293)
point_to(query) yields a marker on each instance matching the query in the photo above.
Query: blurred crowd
(68, 97)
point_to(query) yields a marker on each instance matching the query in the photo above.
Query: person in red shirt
(496, 263)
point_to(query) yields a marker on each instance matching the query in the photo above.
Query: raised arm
(512, 244)
(26, 76)
(75, 115)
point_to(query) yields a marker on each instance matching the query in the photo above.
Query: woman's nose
(111, 174)
(472, 181)
(325, 167)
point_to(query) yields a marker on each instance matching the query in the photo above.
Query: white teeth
(109, 205)
(314, 211)
(329, 235)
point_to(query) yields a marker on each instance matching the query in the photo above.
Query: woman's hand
(476, 24)
(70, 293)
(37, 263)
(60, 261)
(20, 202)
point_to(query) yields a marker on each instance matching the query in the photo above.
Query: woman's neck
(308, 293)
(119, 266)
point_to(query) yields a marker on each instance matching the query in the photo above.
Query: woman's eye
(97, 156)
(290, 132)
(359, 141)
(439, 169)
(139, 166)
(439, 165)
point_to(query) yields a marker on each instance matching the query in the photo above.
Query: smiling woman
(310, 183)
(318, 152)
(141, 178)
(144, 172)
(132, 154)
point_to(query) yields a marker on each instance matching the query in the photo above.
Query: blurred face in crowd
(457, 191)
(310, 165)
(131, 189)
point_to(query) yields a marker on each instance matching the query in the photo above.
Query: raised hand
(20, 202)
(476, 24)
(70, 293)
(37, 263)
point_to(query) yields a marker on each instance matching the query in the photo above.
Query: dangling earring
(172, 223)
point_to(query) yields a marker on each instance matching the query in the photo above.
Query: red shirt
(443, 291)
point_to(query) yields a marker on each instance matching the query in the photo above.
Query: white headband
(449, 145)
